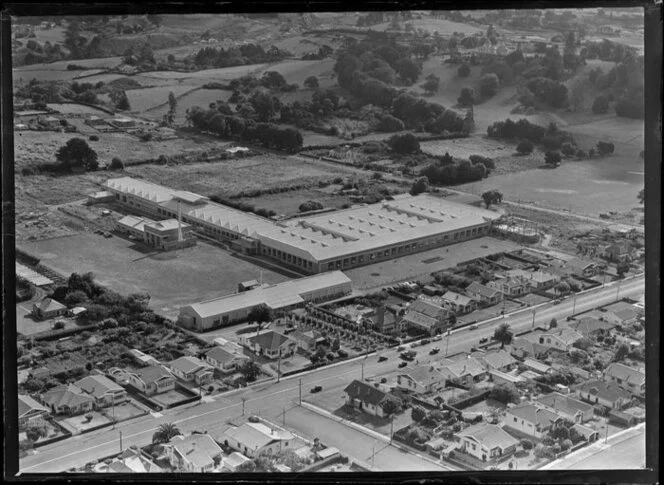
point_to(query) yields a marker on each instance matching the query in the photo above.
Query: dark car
(484, 340)
(254, 419)
(472, 327)
(401, 348)
(434, 351)
(402, 364)
(342, 353)
(556, 302)
(382, 358)
(383, 380)
(317, 389)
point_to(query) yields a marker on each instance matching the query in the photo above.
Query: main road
(273, 400)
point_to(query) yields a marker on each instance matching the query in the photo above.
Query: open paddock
(81, 424)
(172, 279)
(288, 202)
(144, 99)
(197, 97)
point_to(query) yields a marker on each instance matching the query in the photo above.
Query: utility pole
(300, 391)
(283, 416)
(373, 454)
(244, 399)
(391, 429)
(120, 441)
(617, 290)
(447, 343)
(279, 366)
(534, 311)
(574, 306)
(113, 407)
(606, 436)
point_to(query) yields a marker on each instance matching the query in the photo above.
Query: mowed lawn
(172, 279)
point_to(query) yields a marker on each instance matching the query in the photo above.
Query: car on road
(437, 338)
(570, 318)
(402, 364)
(556, 302)
(434, 351)
(342, 353)
(401, 348)
(472, 327)
(484, 340)
(382, 358)
(316, 389)
(108, 234)
(254, 419)
(425, 341)
(383, 380)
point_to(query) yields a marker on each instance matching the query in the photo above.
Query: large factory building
(333, 241)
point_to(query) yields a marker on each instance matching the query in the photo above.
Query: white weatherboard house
(487, 442)
(255, 439)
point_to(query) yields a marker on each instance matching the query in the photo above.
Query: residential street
(270, 399)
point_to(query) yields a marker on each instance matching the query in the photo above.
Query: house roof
(222, 355)
(605, 390)
(579, 263)
(534, 414)
(626, 314)
(567, 335)
(457, 298)
(69, 395)
(269, 340)
(137, 462)
(465, 367)
(98, 385)
(491, 436)
(425, 375)
(48, 304)
(536, 365)
(589, 325)
(497, 359)
(427, 307)
(365, 392)
(188, 364)
(584, 430)
(153, 373)
(198, 449)
(251, 437)
(482, 290)
(622, 371)
(419, 319)
(564, 404)
(27, 404)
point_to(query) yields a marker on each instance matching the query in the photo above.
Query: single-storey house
(537, 280)
(628, 378)
(607, 394)
(560, 338)
(487, 442)
(566, 406)
(484, 294)
(150, 380)
(385, 321)
(531, 419)
(197, 453)
(498, 359)
(255, 439)
(582, 267)
(459, 303)
(48, 308)
(465, 371)
(627, 316)
(131, 460)
(510, 286)
(142, 358)
(365, 397)
(69, 400)
(271, 344)
(307, 340)
(105, 391)
(537, 365)
(225, 361)
(29, 410)
(422, 379)
(191, 369)
(590, 326)
(528, 345)
(619, 252)
(415, 320)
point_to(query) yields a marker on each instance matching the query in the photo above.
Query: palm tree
(165, 433)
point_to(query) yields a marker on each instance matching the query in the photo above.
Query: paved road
(625, 451)
(266, 398)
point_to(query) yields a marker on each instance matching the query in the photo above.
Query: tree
(116, 164)
(622, 268)
(505, 393)
(605, 148)
(336, 345)
(563, 288)
(492, 197)
(553, 323)
(419, 186)
(391, 404)
(621, 353)
(600, 105)
(311, 82)
(408, 70)
(525, 147)
(310, 206)
(250, 370)
(464, 70)
(75, 298)
(165, 433)
(552, 158)
(172, 105)
(467, 97)
(418, 413)
(431, 84)
(489, 85)
(120, 100)
(503, 334)
(77, 153)
(407, 143)
(389, 124)
(260, 314)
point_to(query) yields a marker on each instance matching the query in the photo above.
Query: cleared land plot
(208, 75)
(236, 175)
(296, 71)
(144, 99)
(289, 202)
(412, 266)
(172, 279)
(50, 71)
(22, 76)
(199, 97)
(76, 109)
(126, 410)
(55, 35)
(170, 398)
(80, 424)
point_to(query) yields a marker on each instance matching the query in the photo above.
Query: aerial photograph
(397, 241)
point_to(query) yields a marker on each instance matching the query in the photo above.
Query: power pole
(447, 343)
(283, 416)
(300, 391)
(373, 454)
(391, 429)
(279, 366)
(534, 311)
(120, 441)
(244, 399)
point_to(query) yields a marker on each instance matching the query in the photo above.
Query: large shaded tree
(503, 334)
(77, 153)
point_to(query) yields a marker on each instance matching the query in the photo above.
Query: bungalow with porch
(487, 442)
(29, 411)
(256, 439)
(365, 397)
(536, 280)
(105, 391)
(567, 407)
(307, 340)
(626, 316)
(224, 361)
(48, 308)
(465, 371)
(422, 379)
(484, 294)
(271, 344)
(197, 453)
(192, 369)
(69, 400)
(590, 326)
(581, 267)
(498, 359)
(607, 394)
(628, 378)
(532, 420)
(154, 379)
(421, 322)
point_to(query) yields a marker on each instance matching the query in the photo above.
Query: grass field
(75, 109)
(105, 78)
(235, 175)
(431, 25)
(289, 202)
(172, 279)
(199, 97)
(142, 100)
(23, 76)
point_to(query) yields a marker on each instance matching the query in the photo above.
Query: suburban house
(628, 378)
(484, 294)
(537, 366)
(581, 267)
(192, 369)
(532, 420)
(510, 286)
(537, 280)
(626, 316)
(142, 358)
(365, 397)
(590, 326)
(154, 379)
(307, 340)
(421, 322)
(459, 303)
(487, 442)
(225, 361)
(68, 399)
(465, 371)
(422, 379)
(560, 338)
(528, 345)
(234, 460)
(271, 344)
(105, 391)
(605, 393)
(131, 460)
(255, 439)
(29, 411)
(619, 252)
(500, 360)
(48, 308)
(194, 454)
(567, 407)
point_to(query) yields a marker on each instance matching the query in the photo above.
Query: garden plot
(465, 147)
(85, 422)
(142, 100)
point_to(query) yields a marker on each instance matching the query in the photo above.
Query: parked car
(437, 338)
(484, 340)
(425, 341)
(254, 419)
(556, 302)
(382, 358)
(383, 380)
(402, 364)
(317, 389)
(401, 348)
(472, 327)
(342, 353)
(108, 234)
(434, 351)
